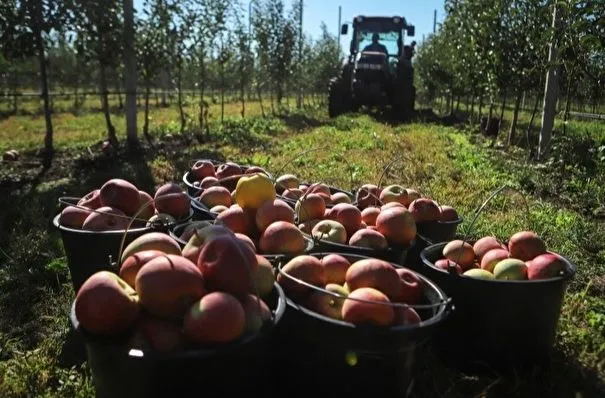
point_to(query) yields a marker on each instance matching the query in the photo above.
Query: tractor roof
(377, 21)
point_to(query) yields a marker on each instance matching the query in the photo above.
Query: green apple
(330, 230)
(479, 273)
(511, 269)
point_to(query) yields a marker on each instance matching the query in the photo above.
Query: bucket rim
(120, 345)
(187, 181)
(445, 303)
(63, 228)
(571, 269)
(457, 221)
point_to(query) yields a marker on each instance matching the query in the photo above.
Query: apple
(255, 170)
(228, 169)
(336, 267)
(146, 206)
(446, 264)
(340, 197)
(320, 188)
(253, 190)
(217, 318)
(493, 257)
(392, 204)
(460, 252)
(293, 193)
(168, 285)
(368, 238)
(367, 195)
(425, 209)
(394, 193)
(331, 231)
(286, 181)
(106, 305)
(106, 219)
(263, 278)
(374, 273)
(215, 196)
(132, 265)
(412, 287)
(545, 266)
(73, 217)
(526, 245)
(218, 209)
(120, 194)
(348, 215)
(257, 313)
(170, 199)
(161, 219)
(208, 182)
(303, 267)
(510, 269)
(282, 238)
(271, 211)
(189, 230)
(327, 304)
(198, 240)
(413, 195)
(397, 225)
(202, 169)
(485, 244)
(158, 334)
(326, 198)
(448, 213)
(228, 264)
(405, 316)
(151, 241)
(236, 219)
(478, 273)
(309, 207)
(369, 215)
(363, 312)
(92, 200)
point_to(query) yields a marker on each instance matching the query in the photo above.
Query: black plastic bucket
(412, 259)
(321, 356)
(194, 191)
(89, 251)
(200, 211)
(439, 231)
(394, 254)
(497, 323)
(238, 368)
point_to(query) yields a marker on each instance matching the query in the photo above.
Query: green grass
(452, 166)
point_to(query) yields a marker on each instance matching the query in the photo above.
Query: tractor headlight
(359, 19)
(396, 20)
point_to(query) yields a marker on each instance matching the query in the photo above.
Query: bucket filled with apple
(92, 227)
(290, 188)
(508, 297)
(165, 325)
(385, 232)
(354, 318)
(206, 173)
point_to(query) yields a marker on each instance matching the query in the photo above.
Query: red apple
(257, 313)
(369, 215)
(106, 305)
(73, 217)
(391, 204)
(237, 220)
(217, 318)
(486, 244)
(120, 194)
(306, 268)
(545, 266)
(493, 257)
(282, 238)
(340, 197)
(106, 219)
(397, 225)
(309, 207)
(286, 181)
(293, 193)
(394, 193)
(215, 196)
(202, 169)
(460, 252)
(405, 316)
(348, 215)
(425, 209)
(320, 188)
(256, 170)
(208, 182)
(228, 169)
(171, 199)
(363, 312)
(151, 241)
(146, 206)
(448, 213)
(247, 240)
(92, 200)
(368, 238)
(132, 265)
(374, 273)
(160, 334)
(367, 195)
(412, 287)
(446, 264)
(271, 211)
(336, 268)
(526, 245)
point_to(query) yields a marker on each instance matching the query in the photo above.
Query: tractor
(378, 71)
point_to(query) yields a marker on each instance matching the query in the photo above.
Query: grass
(456, 167)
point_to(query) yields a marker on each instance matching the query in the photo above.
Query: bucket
(189, 181)
(200, 211)
(322, 354)
(90, 251)
(439, 231)
(333, 190)
(412, 259)
(394, 254)
(499, 323)
(206, 371)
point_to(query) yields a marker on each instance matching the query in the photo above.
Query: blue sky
(418, 13)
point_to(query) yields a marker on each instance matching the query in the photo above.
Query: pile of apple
(378, 283)
(205, 174)
(290, 187)
(165, 300)
(374, 227)
(423, 209)
(254, 212)
(524, 258)
(111, 207)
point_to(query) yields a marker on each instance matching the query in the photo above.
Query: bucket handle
(479, 211)
(447, 302)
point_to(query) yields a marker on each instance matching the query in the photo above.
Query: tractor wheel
(336, 102)
(403, 102)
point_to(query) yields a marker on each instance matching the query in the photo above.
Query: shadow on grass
(299, 121)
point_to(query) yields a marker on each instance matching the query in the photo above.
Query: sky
(417, 13)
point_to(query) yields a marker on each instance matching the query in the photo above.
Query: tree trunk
(566, 112)
(480, 110)
(458, 104)
(202, 88)
(504, 98)
(472, 110)
(222, 71)
(260, 100)
(531, 123)
(513, 124)
(146, 121)
(48, 138)
(111, 131)
(119, 92)
(77, 84)
(130, 75)
(180, 95)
